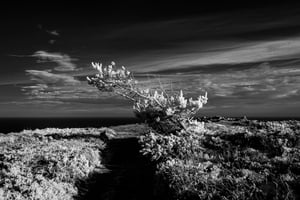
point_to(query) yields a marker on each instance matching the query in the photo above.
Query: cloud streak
(65, 88)
(46, 77)
(260, 85)
(64, 61)
(51, 84)
(53, 32)
(192, 55)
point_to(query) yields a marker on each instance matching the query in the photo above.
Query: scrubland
(45, 164)
(229, 160)
(205, 159)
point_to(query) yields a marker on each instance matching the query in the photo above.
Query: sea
(8, 125)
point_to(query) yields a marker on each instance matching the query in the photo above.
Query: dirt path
(130, 176)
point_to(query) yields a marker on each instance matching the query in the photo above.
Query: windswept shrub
(163, 112)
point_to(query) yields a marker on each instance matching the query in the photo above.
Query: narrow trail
(130, 175)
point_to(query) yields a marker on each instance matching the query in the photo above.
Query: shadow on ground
(74, 136)
(130, 175)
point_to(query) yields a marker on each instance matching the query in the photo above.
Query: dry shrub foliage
(44, 164)
(163, 112)
(256, 161)
(248, 160)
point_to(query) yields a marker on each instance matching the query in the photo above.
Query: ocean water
(8, 125)
(274, 118)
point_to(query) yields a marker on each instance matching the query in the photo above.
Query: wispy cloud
(64, 61)
(233, 52)
(52, 41)
(289, 93)
(46, 77)
(53, 32)
(65, 88)
(262, 84)
(52, 84)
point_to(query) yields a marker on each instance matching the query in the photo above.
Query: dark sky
(245, 55)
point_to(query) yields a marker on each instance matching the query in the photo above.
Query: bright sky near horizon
(246, 58)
